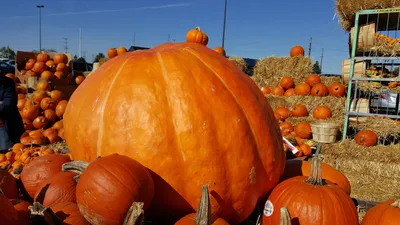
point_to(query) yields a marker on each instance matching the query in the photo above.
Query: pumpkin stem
(40, 211)
(75, 166)
(315, 177)
(203, 215)
(42, 193)
(198, 28)
(396, 203)
(135, 215)
(285, 216)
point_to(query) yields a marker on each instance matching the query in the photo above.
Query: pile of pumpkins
(42, 114)
(116, 189)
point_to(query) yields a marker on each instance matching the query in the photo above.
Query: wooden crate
(360, 67)
(366, 36)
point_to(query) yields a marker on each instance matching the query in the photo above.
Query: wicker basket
(324, 132)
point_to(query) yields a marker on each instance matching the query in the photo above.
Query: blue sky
(255, 28)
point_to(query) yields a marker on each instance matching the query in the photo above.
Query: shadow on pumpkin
(295, 221)
(165, 198)
(223, 205)
(62, 215)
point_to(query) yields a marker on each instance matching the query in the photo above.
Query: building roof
(134, 48)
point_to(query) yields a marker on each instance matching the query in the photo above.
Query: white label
(269, 208)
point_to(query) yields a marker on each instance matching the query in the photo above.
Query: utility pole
(322, 57)
(80, 42)
(66, 45)
(223, 30)
(40, 26)
(309, 48)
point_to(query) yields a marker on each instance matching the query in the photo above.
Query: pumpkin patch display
(386, 213)
(366, 138)
(299, 193)
(181, 127)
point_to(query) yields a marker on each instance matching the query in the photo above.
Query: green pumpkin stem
(76, 167)
(40, 213)
(203, 216)
(285, 216)
(315, 177)
(135, 215)
(396, 203)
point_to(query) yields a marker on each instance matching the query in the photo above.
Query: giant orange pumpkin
(41, 169)
(311, 200)
(296, 167)
(385, 213)
(134, 110)
(197, 36)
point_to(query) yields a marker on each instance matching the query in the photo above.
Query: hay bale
(374, 172)
(269, 71)
(347, 9)
(239, 63)
(331, 79)
(102, 61)
(311, 102)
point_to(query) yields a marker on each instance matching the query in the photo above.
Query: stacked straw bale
(374, 172)
(239, 62)
(269, 71)
(347, 9)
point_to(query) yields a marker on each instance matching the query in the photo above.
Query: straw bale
(346, 9)
(331, 79)
(386, 129)
(102, 61)
(270, 70)
(239, 62)
(376, 87)
(311, 102)
(374, 172)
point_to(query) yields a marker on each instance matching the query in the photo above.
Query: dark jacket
(8, 109)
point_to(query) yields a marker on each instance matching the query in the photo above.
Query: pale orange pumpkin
(220, 50)
(197, 36)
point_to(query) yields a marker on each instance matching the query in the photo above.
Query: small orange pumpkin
(322, 112)
(313, 79)
(283, 111)
(121, 50)
(384, 213)
(60, 58)
(366, 138)
(320, 90)
(289, 92)
(303, 130)
(337, 90)
(79, 79)
(197, 36)
(220, 50)
(265, 90)
(297, 51)
(277, 91)
(42, 57)
(299, 111)
(112, 52)
(286, 82)
(302, 89)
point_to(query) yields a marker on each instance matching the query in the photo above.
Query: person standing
(11, 124)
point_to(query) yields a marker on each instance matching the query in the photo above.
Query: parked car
(6, 68)
(386, 102)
